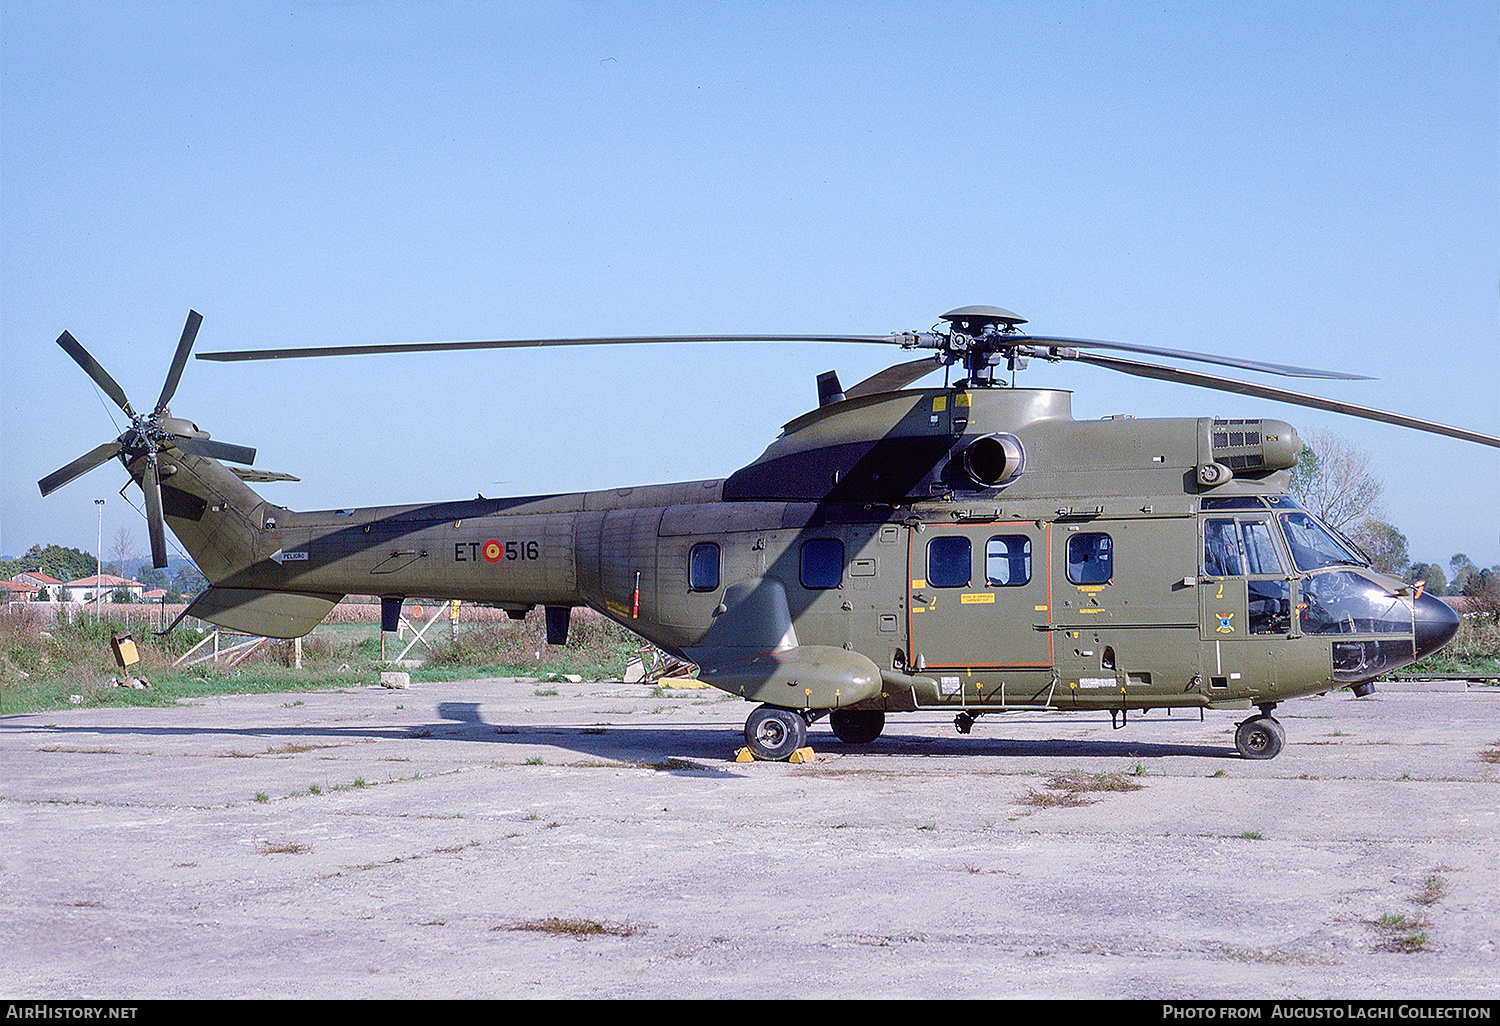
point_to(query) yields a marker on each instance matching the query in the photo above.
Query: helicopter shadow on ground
(1004, 747)
(653, 743)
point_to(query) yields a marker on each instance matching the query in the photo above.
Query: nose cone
(1434, 623)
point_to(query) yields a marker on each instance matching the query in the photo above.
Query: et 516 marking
(494, 550)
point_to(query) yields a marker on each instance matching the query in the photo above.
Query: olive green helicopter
(969, 548)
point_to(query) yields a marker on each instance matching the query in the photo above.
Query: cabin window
(948, 562)
(1007, 560)
(1091, 558)
(822, 563)
(703, 567)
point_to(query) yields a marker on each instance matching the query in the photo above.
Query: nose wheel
(1259, 737)
(774, 733)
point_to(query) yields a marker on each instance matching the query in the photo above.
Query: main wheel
(774, 733)
(857, 726)
(1259, 738)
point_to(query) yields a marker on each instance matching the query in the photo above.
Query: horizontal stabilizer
(270, 614)
(260, 476)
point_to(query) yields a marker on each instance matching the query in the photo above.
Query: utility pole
(99, 563)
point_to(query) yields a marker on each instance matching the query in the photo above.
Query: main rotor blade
(897, 376)
(215, 450)
(1186, 377)
(1183, 354)
(434, 347)
(91, 367)
(82, 465)
(151, 485)
(179, 360)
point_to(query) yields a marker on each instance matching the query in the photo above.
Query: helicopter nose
(1434, 623)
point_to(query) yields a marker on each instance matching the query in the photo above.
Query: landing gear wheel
(1259, 737)
(857, 726)
(773, 733)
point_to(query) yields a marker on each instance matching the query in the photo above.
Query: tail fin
(227, 528)
(216, 516)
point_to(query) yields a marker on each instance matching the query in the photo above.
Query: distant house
(86, 589)
(38, 580)
(15, 591)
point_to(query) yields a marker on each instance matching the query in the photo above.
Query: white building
(86, 589)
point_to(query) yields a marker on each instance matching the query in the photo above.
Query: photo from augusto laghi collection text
(1329, 1010)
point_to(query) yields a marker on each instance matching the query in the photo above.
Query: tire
(1259, 738)
(773, 733)
(857, 726)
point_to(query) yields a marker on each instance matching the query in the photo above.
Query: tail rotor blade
(151, 485)
(82, 465)
(215, 450)
(91, 367)
(184, 348)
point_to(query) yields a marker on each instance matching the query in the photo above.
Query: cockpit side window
(1312, 544)
(1261, 556)
(1221, 548)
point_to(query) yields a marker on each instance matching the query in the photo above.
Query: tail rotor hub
(148, 435)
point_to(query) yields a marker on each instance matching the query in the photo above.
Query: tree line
(69, 564)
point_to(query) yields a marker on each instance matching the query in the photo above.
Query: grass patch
(1403, 933)
(1433, 889)
(1408, 934)
(1073, 788)
(44, 663)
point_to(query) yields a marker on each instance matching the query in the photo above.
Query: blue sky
(1316, 184)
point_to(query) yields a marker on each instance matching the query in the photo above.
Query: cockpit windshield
(1313, 545)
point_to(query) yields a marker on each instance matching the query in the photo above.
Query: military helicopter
(969, 548)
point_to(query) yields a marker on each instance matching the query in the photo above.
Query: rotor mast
(983, 336)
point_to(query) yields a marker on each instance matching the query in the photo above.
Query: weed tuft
(1433, 889)
(580, 928)
(1403, 933)
(284, 848)
(1066, 790)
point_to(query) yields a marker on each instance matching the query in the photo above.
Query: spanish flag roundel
(493, 550)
